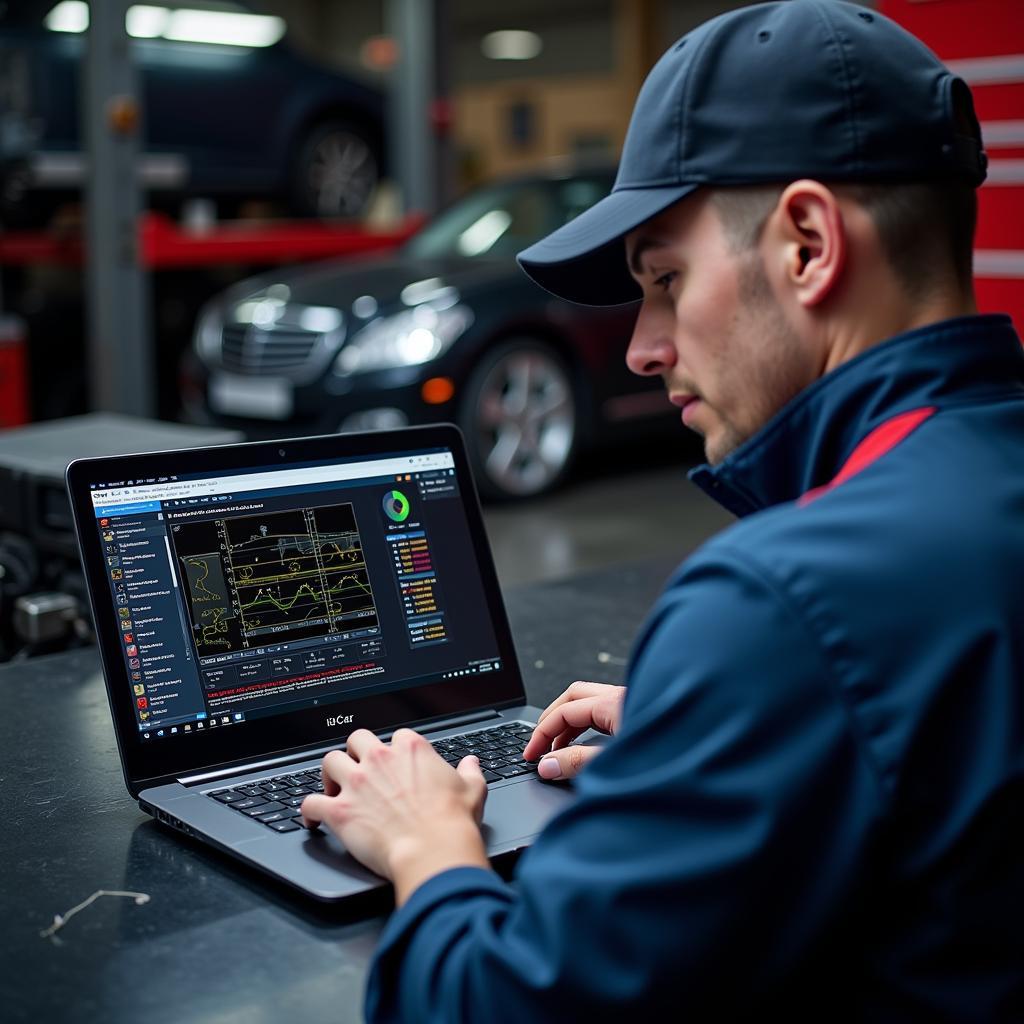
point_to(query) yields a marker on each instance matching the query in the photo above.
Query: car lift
(164, 245)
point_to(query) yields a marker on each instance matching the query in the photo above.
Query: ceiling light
(144, 21)
(224, 27)
(511, 44)
(149, 21)
(68, 16)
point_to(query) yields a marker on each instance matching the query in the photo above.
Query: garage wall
(571, 115)
(509, 127)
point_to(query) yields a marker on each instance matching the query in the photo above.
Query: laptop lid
(261, 599)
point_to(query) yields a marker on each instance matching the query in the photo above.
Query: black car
(251, 119)
(448, 329)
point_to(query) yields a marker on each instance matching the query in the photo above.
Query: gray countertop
(215, 941)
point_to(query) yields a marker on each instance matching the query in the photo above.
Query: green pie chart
(396, 506)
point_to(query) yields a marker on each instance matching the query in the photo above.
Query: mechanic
(811, 802)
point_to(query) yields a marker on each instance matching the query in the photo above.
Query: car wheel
(336, 172)
(521, 421)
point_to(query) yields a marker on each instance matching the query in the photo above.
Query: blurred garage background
(260, 219)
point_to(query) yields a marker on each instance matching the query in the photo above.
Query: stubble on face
(760, 366)
(712, 326)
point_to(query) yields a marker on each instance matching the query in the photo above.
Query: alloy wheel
(524, 422)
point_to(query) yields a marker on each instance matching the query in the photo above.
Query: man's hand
(400, 809)
(581, 707)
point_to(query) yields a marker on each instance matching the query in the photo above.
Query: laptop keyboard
(275, 802)
(500, 750)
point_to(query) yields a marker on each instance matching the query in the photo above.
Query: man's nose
(652, 348)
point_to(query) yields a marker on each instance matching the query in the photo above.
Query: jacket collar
(804, 445)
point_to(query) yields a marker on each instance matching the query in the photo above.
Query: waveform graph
(298, 573)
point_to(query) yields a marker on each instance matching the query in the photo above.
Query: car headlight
(409, 338)
(207, 338)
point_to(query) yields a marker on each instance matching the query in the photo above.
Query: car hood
(395, 283)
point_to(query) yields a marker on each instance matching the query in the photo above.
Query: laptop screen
(247, 595)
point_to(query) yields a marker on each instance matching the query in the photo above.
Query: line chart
(276, 576)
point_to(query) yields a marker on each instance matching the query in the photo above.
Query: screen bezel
(152, 763)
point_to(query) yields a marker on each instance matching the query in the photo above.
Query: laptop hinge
(305, 755)
(256, 766)
(453, 723)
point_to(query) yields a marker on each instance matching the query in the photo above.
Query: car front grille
(279, 351)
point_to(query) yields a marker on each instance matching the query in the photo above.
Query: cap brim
(584, 261)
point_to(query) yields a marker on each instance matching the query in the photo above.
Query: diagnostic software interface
(260, 592)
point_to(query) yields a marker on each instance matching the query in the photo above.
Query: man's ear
(808, 228)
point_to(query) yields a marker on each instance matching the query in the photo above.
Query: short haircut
(926, 228)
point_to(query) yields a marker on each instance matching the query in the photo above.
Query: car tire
(336, 172)
(520, 416)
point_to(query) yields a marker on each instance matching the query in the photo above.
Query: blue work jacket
(814, 805)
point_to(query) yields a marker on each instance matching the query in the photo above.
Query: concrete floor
(601, 519)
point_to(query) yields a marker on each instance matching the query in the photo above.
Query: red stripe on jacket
(882, 439)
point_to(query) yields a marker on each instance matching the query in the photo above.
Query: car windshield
(497, 221)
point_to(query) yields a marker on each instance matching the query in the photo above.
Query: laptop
(255, 603)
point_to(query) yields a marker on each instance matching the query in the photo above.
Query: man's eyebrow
(642, 245)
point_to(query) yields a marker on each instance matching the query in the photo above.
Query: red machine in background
(14, 409)
(983, 42)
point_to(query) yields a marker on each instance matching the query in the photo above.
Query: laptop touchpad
(521, 810)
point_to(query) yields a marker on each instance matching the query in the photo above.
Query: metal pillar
(120, 339)
(412, 24)
(446, 183)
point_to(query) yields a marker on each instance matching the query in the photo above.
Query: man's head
(797, 182)
(752, 293)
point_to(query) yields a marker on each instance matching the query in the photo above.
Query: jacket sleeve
(723, 828)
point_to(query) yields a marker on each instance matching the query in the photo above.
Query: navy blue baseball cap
(773, 92)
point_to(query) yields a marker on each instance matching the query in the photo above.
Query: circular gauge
(396, 506)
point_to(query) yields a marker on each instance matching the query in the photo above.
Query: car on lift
(448, 328)
(230, 110)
